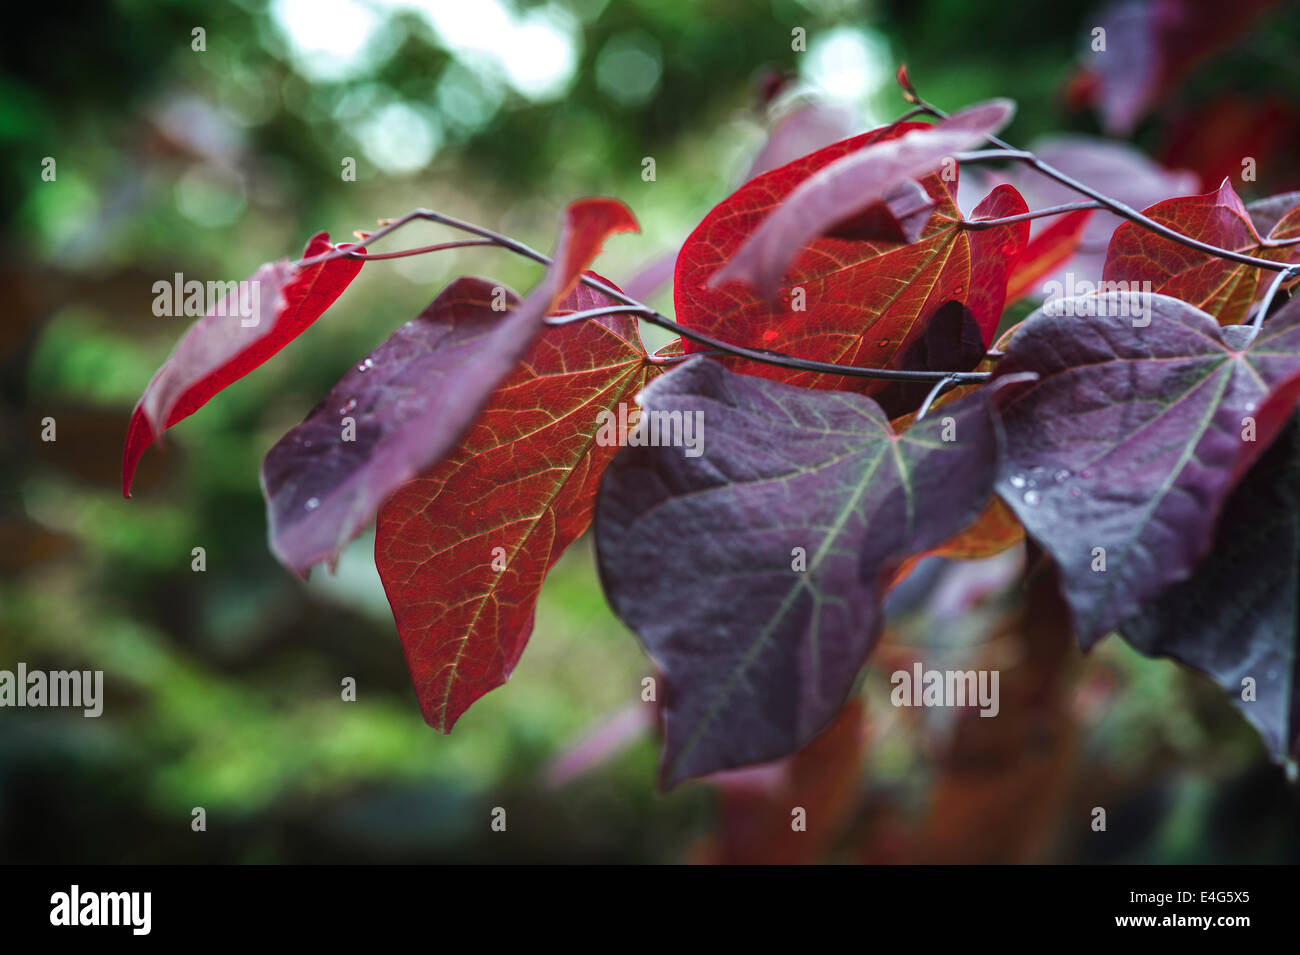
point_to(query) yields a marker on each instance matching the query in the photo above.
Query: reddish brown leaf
(523, 480)
(1223, 288)
(218, 349)
(865, 301)
(863, 179)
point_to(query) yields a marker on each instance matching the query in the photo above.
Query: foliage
(753, 564)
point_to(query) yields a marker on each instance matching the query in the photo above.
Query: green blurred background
(223, 686)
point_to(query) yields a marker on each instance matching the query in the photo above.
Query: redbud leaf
(1236, 617)
(1143, 418)
(848, 186)
(219, 349)
(752, 573)
(1224, 288)
(846, 300)
(463, 549)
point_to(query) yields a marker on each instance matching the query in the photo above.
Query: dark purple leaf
(1236, 617)
(1143, 419)
(700, 554)
(851, 185)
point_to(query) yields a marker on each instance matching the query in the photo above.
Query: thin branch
(1006, 151)
(422, 250)
(582, 316)
(939, 388)
(760, 355)
(1266, 302)
(1026, 216)
(649, 314)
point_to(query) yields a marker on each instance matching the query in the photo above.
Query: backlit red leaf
(463, 549)
(1216, 285)
(863, 302)
(848, 186)
(220, 348)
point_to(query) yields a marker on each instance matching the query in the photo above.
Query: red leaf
(1221, 287)
(851, 184)
(218, 350)
(866, 301)
(523, 479)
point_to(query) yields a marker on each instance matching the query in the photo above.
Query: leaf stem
(1267, 301)
(1026, 216)
(1005, 150)
(632, 307)
(939, 388)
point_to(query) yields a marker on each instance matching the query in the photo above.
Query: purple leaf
(850, 186)
(1144, 417)
(752, 572)
(405, 407)
(1237, 616)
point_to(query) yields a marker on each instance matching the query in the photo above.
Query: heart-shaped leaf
(847, 301)
(233, 339)
(1216, 285)
(752, 573)
(1144, 417)
(462, 550)
(850, 185)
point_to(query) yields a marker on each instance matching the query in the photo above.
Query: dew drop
(348, 406)
(1061, 476)
(313, 503)
(366, 365)
(1085, 473)
(1031, 498)
(1017, 480)
(1075, 492)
